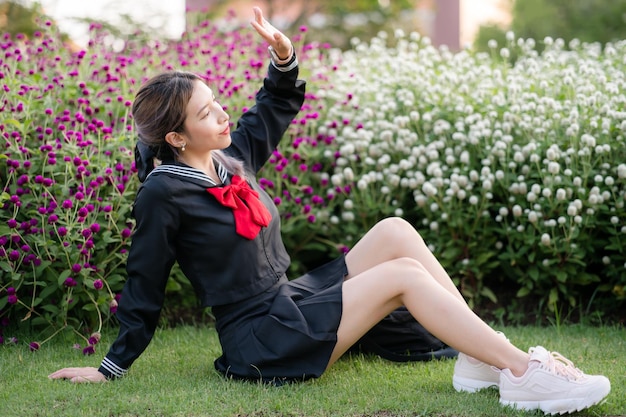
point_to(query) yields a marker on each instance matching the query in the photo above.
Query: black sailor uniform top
(177, 220)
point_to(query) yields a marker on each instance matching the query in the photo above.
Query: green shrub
(514, 173)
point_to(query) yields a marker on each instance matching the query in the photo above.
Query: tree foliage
(16, 17)
(586, 20)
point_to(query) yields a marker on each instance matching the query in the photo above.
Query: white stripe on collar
(189, 172)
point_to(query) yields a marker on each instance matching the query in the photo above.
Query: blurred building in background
(447, 22)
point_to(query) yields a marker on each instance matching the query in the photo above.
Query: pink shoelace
(560, 365)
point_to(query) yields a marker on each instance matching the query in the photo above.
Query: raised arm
(260, 129)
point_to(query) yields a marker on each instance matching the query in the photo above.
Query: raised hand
(79, 375)
(276, 39)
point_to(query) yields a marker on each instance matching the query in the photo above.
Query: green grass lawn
(175, 377)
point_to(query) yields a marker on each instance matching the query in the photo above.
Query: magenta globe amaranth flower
(94, 338)
(70, 282)
(89, 350)
(97, 284)
(34, 346)
(12, 299)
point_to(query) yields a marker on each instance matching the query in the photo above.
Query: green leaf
(553, 297)
(486, 292)
(66, 273)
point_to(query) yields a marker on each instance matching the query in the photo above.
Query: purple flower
(126, 233)
(70, 282)
(89, 350)
(113, 306)
(97, 284)
(94, 338)
(34, 346)
(10, 291)
(95, 227)
(67, 204)
(12, 223)
(76, 268)
(12, 299)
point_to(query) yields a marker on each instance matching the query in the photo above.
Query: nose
(223, 116)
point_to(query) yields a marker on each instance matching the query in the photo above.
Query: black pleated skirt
(287, 333)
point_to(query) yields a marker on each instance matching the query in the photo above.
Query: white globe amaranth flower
(347, 216)
(545, 239)
(572, 210)
(554, 168)
(428, 189)
(420, 200)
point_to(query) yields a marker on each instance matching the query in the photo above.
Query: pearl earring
(182, 147)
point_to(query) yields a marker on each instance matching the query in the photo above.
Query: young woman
(201, 207)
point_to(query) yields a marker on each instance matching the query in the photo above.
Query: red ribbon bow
(250, 213)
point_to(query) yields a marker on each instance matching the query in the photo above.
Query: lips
(226, 131)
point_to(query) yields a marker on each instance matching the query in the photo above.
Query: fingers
(278, 41)
(64, 373)
(78, 375)
(258, 15)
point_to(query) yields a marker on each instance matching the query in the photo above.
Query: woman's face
(206, 124)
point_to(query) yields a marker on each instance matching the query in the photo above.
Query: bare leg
(394, 238)
(385, 274)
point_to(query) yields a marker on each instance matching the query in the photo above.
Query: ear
(175, 139)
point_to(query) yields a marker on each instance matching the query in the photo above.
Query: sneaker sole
(471, 385)
(560, 406)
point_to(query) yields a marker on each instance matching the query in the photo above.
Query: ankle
(520, 367)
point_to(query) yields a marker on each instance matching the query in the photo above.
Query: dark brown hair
(160, 107)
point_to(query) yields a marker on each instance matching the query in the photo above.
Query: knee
(410, 270)
(398, 230)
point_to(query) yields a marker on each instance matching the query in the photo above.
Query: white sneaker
(471, 375)
(552, 384)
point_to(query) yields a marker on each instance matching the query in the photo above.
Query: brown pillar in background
(198, 5)
(447, 28)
